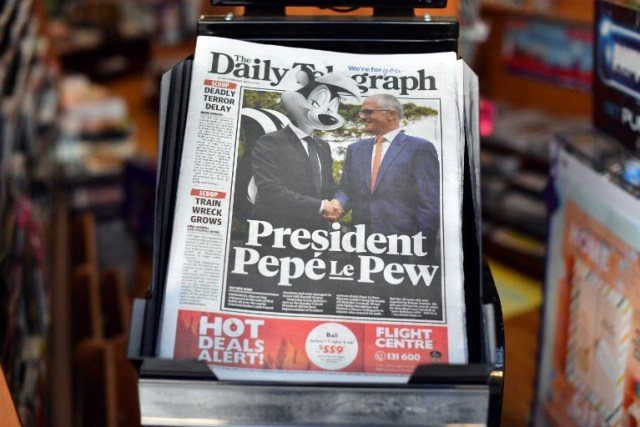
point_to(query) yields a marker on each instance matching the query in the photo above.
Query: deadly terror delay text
(368, 248)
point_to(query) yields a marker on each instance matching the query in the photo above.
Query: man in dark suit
(292, 169)
(391, 182)
(293, 172)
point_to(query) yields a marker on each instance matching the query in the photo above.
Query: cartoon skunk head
(315, 105)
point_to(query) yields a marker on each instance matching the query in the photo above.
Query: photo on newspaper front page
(317, 228)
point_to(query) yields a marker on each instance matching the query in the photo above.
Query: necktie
(377, 158)
(315, 162)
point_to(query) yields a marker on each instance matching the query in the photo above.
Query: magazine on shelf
(589, 359)
(279, 259)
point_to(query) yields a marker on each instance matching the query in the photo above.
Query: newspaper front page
(318, 215)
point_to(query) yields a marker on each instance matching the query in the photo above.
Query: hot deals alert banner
(307, 345)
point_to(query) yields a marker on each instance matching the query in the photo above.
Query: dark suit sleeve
(270, 169)
(345, 186)
(326, 160)
(427, 173)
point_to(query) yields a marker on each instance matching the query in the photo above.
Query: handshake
(332, 210)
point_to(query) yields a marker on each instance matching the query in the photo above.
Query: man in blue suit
(391, 182)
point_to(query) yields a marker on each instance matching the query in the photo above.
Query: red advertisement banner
(308, 345)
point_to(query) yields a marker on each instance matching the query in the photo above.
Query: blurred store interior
(79, 134)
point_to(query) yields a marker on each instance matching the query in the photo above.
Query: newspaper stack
(309, 213)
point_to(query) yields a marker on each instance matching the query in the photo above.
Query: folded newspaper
(317, 229)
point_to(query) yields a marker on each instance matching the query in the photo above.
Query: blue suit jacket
(406, 198)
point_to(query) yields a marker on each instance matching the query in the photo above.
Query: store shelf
(579, 11)
(498, 83)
